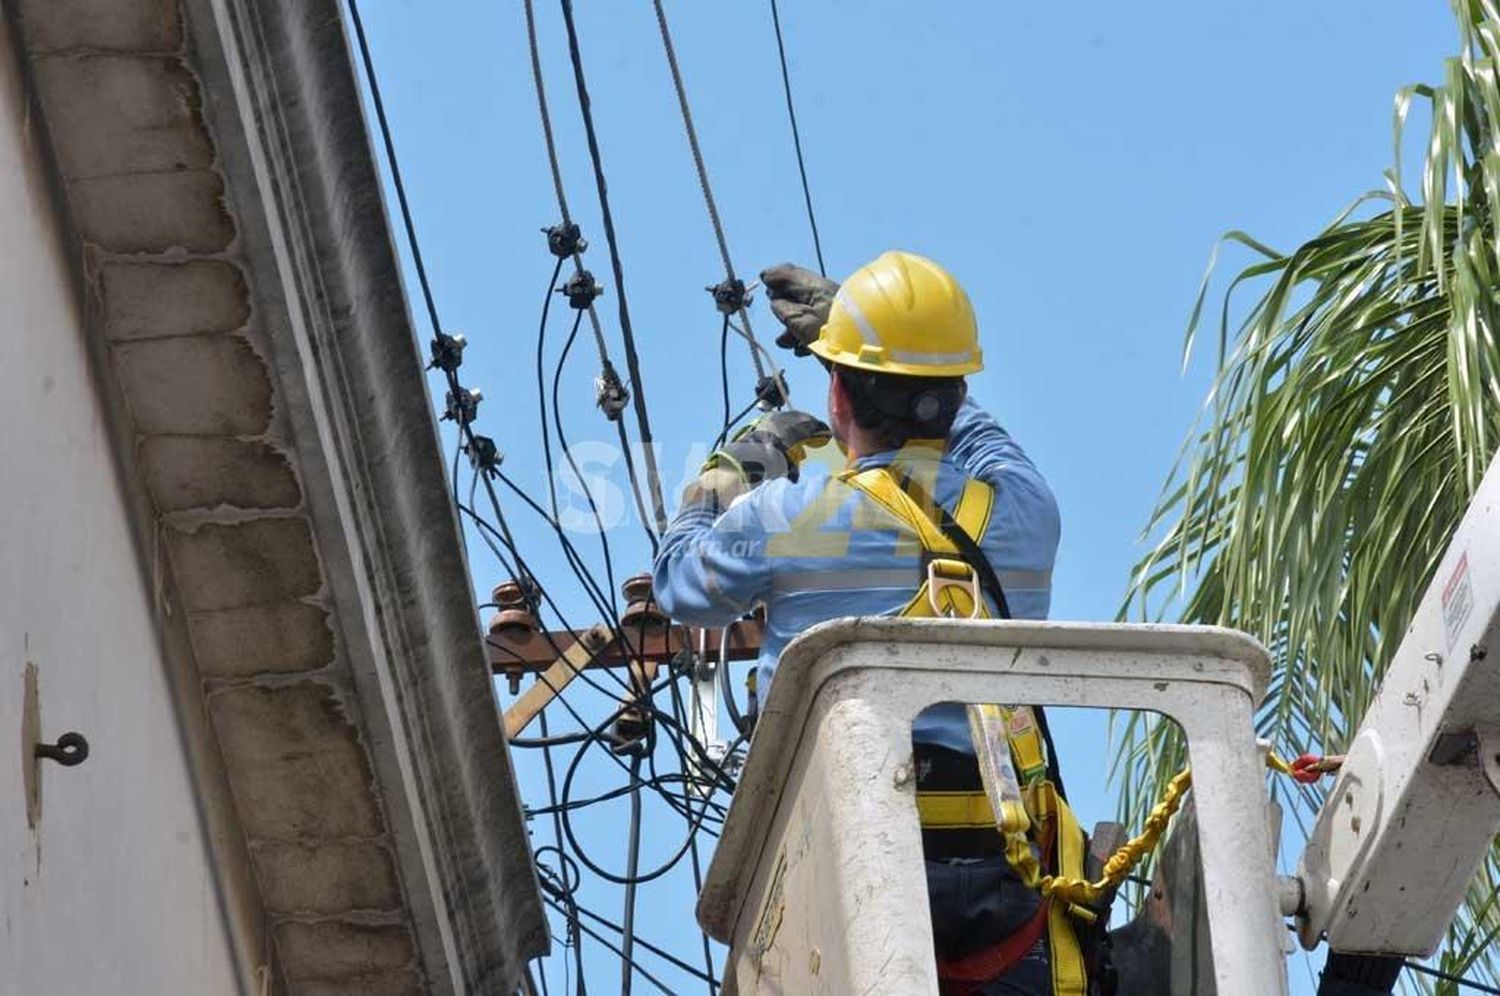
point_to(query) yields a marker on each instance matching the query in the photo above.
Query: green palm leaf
(1355, 408)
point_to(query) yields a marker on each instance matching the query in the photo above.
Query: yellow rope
(1124, 860)
(1083, 892)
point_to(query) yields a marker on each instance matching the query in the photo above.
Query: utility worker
(936, 497)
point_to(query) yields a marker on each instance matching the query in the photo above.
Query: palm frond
(1356, 406)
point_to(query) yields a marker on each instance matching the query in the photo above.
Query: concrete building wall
(111, 891)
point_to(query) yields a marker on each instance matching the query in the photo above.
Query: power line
(632, 360)
(708, 194)
(462, 407)
(791, 113)
(1457, 980)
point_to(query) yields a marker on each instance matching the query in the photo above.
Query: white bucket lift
(818, 883)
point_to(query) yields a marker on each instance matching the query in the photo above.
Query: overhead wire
(791, 113)
(501, 541)
(701, 167)
(608, 369)
(632, 868)
(654, 949)
(1456, 980)
(627, 334)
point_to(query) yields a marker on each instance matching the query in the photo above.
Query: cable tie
(483, 454)
(580, 290)
(610, 393)
(564, 239)
(447, 352)
(771, 391)
(462, 406)
(730, 295)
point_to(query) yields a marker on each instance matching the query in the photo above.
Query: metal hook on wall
(71, 749)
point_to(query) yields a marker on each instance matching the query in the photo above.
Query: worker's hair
(896, 409)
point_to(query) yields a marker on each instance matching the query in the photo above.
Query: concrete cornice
(240, 273)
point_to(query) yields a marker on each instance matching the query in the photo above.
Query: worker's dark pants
(977, 903)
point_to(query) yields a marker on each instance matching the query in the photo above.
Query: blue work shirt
(819, 549)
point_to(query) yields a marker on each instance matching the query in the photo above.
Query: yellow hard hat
(902, 314)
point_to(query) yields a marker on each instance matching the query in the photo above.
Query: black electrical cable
(724, 379)
(588, 493)
(596, 738)
(593, 313)
(734, 421)
(557, 832)
(1457, 980)
(608, 944)
(592, 866)
(791, 113)
(603, 604)
(556, 740)
(467, 439)
(390, 155)
(627, 334)
(632, 866)
(697, 866)
(664, 955)
(541, 387)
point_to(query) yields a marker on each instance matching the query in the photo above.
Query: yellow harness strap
(1020, 791)
(951, 587)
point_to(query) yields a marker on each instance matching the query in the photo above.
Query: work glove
(771, 446)
(800, 300)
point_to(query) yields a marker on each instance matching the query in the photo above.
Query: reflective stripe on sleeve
(847, 580)
(895, 577)
(1025, 580)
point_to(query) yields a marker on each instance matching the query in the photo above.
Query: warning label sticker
(1458, 600)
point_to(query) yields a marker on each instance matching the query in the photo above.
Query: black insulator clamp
(581, 289)
(463, 406)
(564, 239)
(483, 454)
(729, 295)
(447, 352)
(771, 391)
(531, 590)
(610, 393)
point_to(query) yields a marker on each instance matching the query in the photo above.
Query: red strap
(961, 977)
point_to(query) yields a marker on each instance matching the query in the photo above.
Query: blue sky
(1072, 164)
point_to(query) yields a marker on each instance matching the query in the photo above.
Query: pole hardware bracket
(564, 239)
(462, 406)
(730, 295)
(771, 391)
(483, 454)
(610, 393)
(580, 290)
(447, 352)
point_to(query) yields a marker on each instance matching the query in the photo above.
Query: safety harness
(1016, 772)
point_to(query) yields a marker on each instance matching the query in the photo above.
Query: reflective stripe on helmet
(857, 316)
(931, 359)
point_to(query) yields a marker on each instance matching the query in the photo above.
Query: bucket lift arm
(1417, 802)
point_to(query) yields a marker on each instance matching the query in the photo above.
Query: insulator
(642, 617)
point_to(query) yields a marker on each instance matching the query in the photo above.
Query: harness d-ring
(937, 583)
